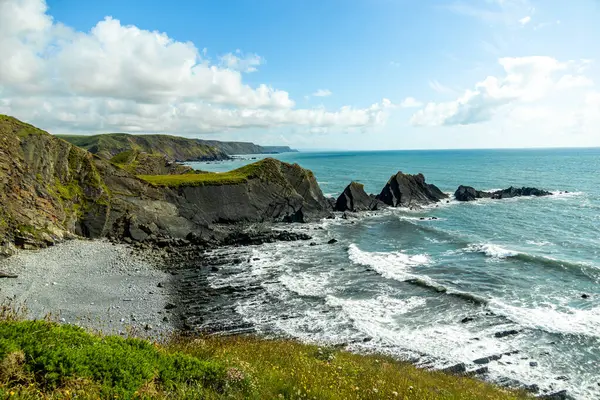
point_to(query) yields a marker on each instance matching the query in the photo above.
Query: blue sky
(356, 74)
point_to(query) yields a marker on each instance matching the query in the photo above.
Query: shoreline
(140, 289)
(94, 284)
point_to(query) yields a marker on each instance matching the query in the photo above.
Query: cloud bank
(121, 78)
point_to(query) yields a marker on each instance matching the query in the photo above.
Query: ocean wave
(307, 284)
(393, 265)
(491, 250)
(552, 318)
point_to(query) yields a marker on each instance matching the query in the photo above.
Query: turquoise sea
(438, 291)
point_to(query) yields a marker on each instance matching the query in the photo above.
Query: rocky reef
(468, 193)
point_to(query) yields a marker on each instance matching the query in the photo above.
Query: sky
(311, 74)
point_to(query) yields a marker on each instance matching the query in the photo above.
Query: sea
(512, 285)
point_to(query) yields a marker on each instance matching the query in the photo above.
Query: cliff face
(266, 191)
(51, 189)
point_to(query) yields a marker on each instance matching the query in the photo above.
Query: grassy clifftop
(268, 169)
(173, 147)
(44, 360)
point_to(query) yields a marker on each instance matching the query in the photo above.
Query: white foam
(393, 265)
(307, 284)
(552, 318)
(380, 310)
(491, 250)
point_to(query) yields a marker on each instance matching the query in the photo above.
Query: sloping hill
(175, 148)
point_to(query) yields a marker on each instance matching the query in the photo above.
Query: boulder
(354, 198)
(403, 190)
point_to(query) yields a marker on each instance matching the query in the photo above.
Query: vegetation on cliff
(268, 170)
(46, 185)
(45, 360)
(175, 148)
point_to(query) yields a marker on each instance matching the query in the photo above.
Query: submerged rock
(403, 190)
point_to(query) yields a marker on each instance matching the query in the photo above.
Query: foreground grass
(44, 360)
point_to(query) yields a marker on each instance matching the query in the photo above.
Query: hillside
(235, 148)
(51, 189)
(175, 148)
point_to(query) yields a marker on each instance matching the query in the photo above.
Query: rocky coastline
(53, 191)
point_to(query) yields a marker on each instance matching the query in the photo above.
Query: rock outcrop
(51, 190)
(354, 198)
(468, 193)
(269, 191)
(403, 190)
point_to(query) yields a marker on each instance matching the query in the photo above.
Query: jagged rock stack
(403, 190)
(354, 198)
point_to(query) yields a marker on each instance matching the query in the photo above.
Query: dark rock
(562, 378)
(468, 193)
(562, 395)
(533, 364)
(466, 319)
(478, 371)
(506, 333)
(404, 190)
(486, 360)
(332, 241)
(170, 306)
(585, 296)
(457, 369)
(354, 198)
(313, 244)
(214, 269)
(160, 285)
(7, 275)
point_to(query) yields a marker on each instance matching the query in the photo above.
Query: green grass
(267, 169)
(45, 360)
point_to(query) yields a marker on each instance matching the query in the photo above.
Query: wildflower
(375, 390)
(395, 394)
(235, 375)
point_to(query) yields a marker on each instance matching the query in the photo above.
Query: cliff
(233, 148)
(266, 191)
(51, 189)
(173, 147)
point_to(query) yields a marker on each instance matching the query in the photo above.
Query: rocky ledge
(468, 193)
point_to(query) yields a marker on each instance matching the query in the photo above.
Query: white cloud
(240, 62)
(122, 78)
(525, 20)
(527, 79)
(410, 102)
(322, 93)
(394, 64)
